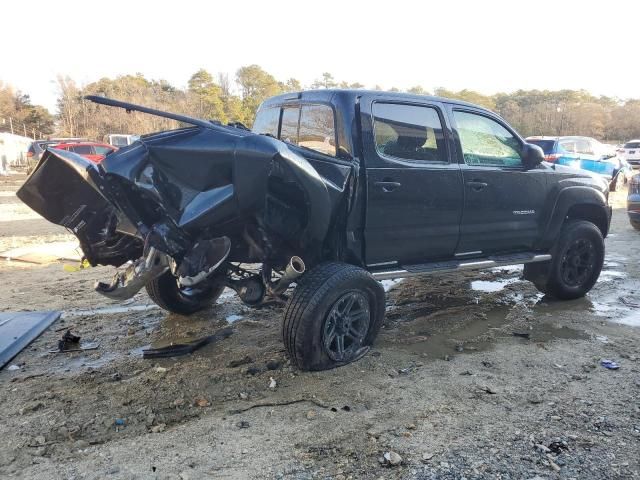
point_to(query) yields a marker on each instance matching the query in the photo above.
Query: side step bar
(403, 271)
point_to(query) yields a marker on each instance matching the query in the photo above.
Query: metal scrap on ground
(19, 329)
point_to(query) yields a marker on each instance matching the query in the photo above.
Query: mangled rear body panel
(173, 189)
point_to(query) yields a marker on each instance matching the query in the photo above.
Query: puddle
(390, 283)
(233, 318)
(108, 310)
(633, 320)
(84, 362)
(479, 332)
(490, 286)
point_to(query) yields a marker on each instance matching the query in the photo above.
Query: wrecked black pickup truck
(332, 191)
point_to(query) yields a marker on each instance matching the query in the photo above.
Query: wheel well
(590, 213)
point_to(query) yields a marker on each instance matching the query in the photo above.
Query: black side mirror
(532, 156)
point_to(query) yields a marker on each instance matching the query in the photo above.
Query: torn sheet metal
(19, 329)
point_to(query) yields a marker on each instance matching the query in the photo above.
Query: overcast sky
(487, 45)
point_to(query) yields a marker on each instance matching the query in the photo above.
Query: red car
(89, 150)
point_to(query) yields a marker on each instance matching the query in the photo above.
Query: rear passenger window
(485, 142)
(289, 128)
(82, 149)
(408, 132)
(266, 122)
(317, 130)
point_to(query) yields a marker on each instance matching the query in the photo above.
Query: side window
(289, 127)
(569, 146)
(317, 130)
(82, 149)
(485, 142)
(266, 122)
(409, 132)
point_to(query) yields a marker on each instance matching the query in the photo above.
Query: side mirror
(532, 156)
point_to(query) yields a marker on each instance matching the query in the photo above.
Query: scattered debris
(243, 424)
(19, 329)
(13, 367)
(311, 414)
(610, 364)
(526, 335)
(253, 371)
(272, 383)
(158, 428)
(185, 348)
(391, 459)
(69, 341)
(280, 404)
(202, 402)
(273, 364)
(237, 363)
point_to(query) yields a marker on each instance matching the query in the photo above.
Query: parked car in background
(37, 148)
(120, 140)
(633, 202)
(630, 151)
(96, 152)
(585, 153)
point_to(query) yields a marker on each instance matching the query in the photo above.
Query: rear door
(414, 191)
(503, 202)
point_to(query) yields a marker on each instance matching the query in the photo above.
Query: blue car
(587, 154)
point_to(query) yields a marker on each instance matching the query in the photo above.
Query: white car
(630, 151)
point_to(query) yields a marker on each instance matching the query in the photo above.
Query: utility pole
(11, 125)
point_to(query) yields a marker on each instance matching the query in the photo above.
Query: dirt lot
(448, 386)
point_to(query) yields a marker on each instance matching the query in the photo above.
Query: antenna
(132, 107)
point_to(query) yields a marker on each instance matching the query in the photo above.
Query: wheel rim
(578, 263)
(346, 326)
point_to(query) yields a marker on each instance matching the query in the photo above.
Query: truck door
(414, 191)
(503, 206)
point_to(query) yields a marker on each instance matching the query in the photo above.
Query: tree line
(219, 97)
(19, 114)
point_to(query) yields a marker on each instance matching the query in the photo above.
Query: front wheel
(333, 316)
(577, 260)
(168, 295)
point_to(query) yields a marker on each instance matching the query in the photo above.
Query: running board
(403, 271)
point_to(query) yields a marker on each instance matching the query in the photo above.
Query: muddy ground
(474, 375)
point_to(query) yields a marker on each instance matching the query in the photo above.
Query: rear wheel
(167, 294)
(333, 316)
(577, 260)
(635, 224)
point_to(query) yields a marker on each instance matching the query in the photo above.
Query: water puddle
(390, 283)
(233, 318)
(490, 286)
(431, 338)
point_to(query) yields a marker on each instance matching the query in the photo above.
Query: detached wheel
(168, 295)
(576, 263)
(333, 316)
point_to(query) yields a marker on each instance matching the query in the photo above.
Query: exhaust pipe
(294, 269)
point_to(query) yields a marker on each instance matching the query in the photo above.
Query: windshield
(546, 145)
(632, 145)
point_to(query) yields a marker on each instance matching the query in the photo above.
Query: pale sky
(488, 46)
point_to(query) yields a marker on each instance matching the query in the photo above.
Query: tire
(166, 293)
(577, 260)
(326, 300)
(635, 224)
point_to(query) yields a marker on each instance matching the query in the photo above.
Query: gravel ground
(474, 375)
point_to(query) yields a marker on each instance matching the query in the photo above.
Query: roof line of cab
(329, 93)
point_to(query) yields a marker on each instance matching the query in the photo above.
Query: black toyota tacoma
(331, 191)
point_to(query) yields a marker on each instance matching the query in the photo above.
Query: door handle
(476, 185)
(388, 186)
